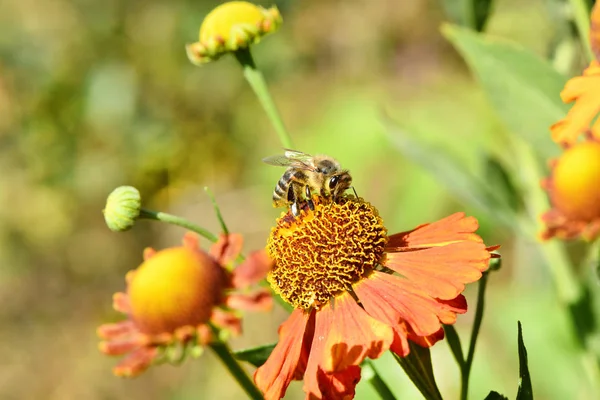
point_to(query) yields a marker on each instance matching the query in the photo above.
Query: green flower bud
(122, 208)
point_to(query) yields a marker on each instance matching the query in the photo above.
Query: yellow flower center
(323, 252)
(220, 21)
(175, 287)
(576, 182)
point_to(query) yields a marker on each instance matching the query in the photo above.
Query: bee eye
(333, 182)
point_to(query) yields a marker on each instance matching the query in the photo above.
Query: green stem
(582, 21)
(469, 13)
(378, 384)
(466, 370)
(223, 352)
(217, 211)
(175, 220)
(257, 82)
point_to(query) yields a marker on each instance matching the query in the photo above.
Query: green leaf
(482, 10)
(495, 396)
(255, 355)
(473, 14)
(525, 390)
(417, 365)
(523, 89)
(497, 177)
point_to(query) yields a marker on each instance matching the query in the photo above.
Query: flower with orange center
(178, 297)
(358, 292)
(230, 27)
(574, 191)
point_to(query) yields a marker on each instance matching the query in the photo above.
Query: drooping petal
(274, 376)
(441, 272)
(393, 299)
(259, 300)
(337, 385)
(136, 362)
(584, 91)
(427, 341)
(344, 336)
(252, 270)
(454, 228)
(595, 30)
(227, 248)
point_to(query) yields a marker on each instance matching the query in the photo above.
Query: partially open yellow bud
(576, 182)
(174, 288)
(232, 26)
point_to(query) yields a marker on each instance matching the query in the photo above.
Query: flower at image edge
(574, 191)
(175, 294)
(232, 26)
(408, 285)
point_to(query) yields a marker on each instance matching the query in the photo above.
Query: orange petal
(441, 272)
(260, 300)
(392, 299)
(227, 248)
(227, 320)
(584, 91)
(136, 362)
(121, 303)
(454, 228)
(427, 341)
(252, 270)
(119, 329)
(274, 376)
(344, 335)
(337, 385)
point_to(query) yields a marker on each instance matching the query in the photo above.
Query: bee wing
(291, 158)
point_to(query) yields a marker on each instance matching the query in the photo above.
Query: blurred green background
(99, 94)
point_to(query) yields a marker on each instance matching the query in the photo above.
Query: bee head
(338, 183)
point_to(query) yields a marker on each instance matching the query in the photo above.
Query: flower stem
(175, 220)
(582, 21)
(224, 353)
(217, 211)
(257, 82)
(379, 384)
(466, 370)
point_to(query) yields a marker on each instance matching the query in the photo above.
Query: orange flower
(585, 91)
(357, 292)
(574, 191)
(173, 297)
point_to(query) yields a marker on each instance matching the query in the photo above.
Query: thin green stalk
(223, 352)
(217, 211)
(469, 13)
(257, 82)
(175, 220)
(466, 370)
(378, 384)
(582, 21)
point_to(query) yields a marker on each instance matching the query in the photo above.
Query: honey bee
(307, 174)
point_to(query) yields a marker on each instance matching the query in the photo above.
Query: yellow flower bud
(232, 26)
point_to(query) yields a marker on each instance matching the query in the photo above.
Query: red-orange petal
(454, 228)
(344, 336)
(136, 362)
(337, 385)
(442, 272)
(227, 248)
(427, 341)
(227, 320)
(122, 328)
(595, 30)
(252, 270)
(121, 303)
(393, 299)
(274, 376)
(259, 300)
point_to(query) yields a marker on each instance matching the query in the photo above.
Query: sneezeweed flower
(123, 207)
(230, 27)
(574, 191)
(178, 298)
(358, 292)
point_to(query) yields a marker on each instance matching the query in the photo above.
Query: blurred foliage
(98, 94)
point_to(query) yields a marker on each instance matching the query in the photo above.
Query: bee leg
(308, 194)
(293, 201)
(354, 190)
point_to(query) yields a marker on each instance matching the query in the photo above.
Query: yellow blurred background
(99, 94)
